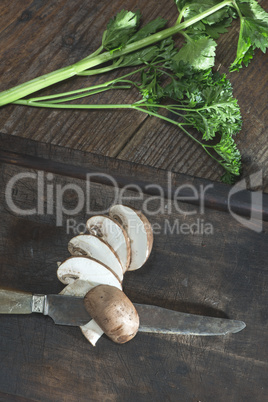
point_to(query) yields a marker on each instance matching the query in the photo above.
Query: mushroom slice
(92, 331)
(113, 234)
(139, 232)
(86, 269)
(83, 274)
(93, 246)
(80, 288)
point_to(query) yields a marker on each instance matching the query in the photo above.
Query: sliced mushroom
(86, 269)
(113, 234)
(139, 232)
(82, 274)
(113, 312)
(77, 288)
(91, 330)
(93, 246)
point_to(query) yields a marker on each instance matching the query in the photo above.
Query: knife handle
(15, 302)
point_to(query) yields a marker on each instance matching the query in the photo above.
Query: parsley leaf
(213, 25)
(148, 29)
(163, 50)
(198, 52)
(219, 28)
(190, 8)
(120, 29)
(253, 32)
(231, 159)
(203, 101)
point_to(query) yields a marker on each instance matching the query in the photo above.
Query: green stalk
(22, 90)
(168, 120)
(60, 106)
(205, 147)
(107, 85)
(136, 106)
(90, 93)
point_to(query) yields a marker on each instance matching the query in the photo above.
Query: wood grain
(220, 273)
(63, 35)
(38, 37)
(151, 181)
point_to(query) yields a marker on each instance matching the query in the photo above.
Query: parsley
(198, 52)
(204, 101)
(253, 32)
(175, 85)
(120, 29)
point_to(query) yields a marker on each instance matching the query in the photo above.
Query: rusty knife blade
(68, 310)
(161, 320)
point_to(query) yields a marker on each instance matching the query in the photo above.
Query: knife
(70, 310)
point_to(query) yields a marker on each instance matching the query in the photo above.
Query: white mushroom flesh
(115, 244)
(87, 269)
(139, 232)
(90, 273)
(113, 234)
(93, 246)
(90, 330)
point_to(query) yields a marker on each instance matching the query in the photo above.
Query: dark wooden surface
(215, 195)
(221, 274)
(37, 37)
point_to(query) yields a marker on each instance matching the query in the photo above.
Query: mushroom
(113, 234)
(99, 260)
(87, 269)
(83, 274)
(93, 246)
(77, 288)
(113, 312)
(139, 232)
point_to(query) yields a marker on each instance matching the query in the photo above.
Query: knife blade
(70, 310)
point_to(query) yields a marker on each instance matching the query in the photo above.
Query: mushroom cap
(113, 312)
(139, 232)
(113, 234)
(93, 246)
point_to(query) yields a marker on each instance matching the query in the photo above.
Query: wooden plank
(9, 14)
(46, 36)
(220, 273)
(13, 398)
(65, 33)
(147, 180)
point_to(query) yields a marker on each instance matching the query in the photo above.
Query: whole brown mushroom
(113, 312)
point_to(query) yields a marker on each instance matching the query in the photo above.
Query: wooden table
(217, 269)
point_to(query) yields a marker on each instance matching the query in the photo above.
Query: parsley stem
(151, 113)
(204, 146)
(237, 9)
(181, 15)
(107, 85)
(212, 156)
(97, 91)
(142, 107)
(63, 106)
(22, 90)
